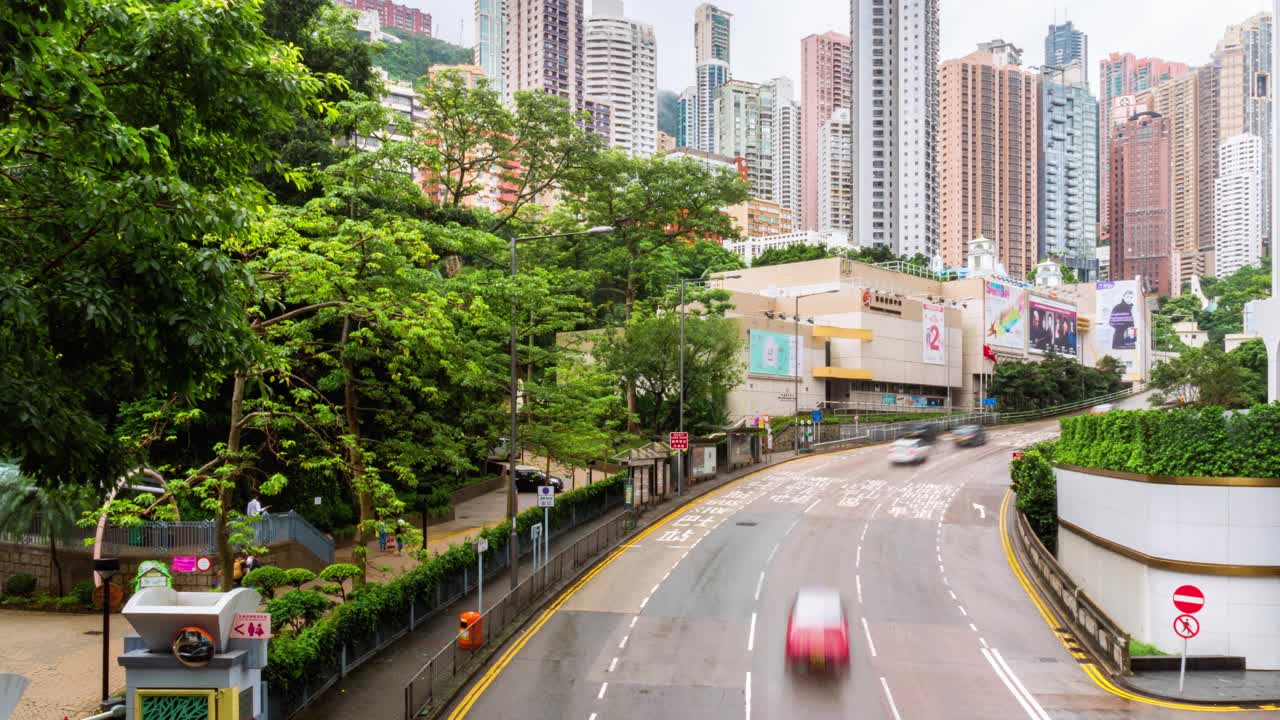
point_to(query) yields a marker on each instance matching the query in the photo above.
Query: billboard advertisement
(933, 324)
(774, 353)
(1118, 319)
(1004, 316)
(1053, 327)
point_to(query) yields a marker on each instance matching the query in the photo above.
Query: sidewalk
(1224, 686)
(470, 518)
(375, 690)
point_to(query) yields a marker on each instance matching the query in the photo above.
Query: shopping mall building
(837, 332)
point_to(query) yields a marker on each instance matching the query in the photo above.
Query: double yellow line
(493, 672)
(1090, 669)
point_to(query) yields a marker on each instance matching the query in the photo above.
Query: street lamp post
(513, 542)
(795, 351)
(680, 470)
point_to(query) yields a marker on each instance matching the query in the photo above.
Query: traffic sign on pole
(1186, 626)
(546, 496)
(679, 441)
(817, 416)
(1188, 599)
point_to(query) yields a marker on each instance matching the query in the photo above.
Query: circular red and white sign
(203, 564)
(1186, 626)
(1188, 599)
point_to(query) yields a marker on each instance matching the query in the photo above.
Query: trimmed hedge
(1036, 491)
(1185, 442)
(310, 655)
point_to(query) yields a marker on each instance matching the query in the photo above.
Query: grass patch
(1139, 648)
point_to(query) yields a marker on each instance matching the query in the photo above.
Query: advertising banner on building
(933, 325)
(1119, 323)
(774, 353)
(703, 461)
(1053, 327)
(1004, 316)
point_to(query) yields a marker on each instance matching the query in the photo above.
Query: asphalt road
(690, 621)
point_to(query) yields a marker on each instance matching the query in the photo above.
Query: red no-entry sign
(1186, 626)
(1188, 599)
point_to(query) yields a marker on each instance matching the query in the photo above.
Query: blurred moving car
(1102, 409)
(967, 435)
(923, 431)
(908, 451)
(528, 479)
(817, 631)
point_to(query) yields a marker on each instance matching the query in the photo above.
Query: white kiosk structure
(184, 661)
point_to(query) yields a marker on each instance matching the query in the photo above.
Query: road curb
(553, 596)
(1119, 680)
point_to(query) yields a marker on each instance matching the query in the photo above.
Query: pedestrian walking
(382, 536)
(401, 526)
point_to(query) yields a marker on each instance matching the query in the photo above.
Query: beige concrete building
(988, 154)
(666, 143)
(761, 218)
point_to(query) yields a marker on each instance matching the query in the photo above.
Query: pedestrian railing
(435, 683)
(185, 537)
(1089, 623)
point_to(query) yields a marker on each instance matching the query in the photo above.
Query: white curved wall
(1218, 525)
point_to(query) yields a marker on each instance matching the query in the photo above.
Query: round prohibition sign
(1186, 626)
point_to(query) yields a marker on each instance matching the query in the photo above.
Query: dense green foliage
(297, 609)
(1208, 377)
(414, 55)
(21, 584)
(58, 509)
(1226, 314)
(1055, 380)
(668, 112)
(115, 176)
(296, 657)
(1037, 491)
(266, 579)
(1206, 442)
(800, 253)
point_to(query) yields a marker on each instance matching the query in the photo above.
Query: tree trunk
(364, 498)
(57, 564)
(226, 487)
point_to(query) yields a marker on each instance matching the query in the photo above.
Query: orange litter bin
(470, 631)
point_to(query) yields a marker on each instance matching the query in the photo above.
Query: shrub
(337, 574)
(1204, 442)
(266, 579)
(307, 655)
(297, 609)
(297, 577)
(1037, 491)
(82, 592)
(20, 584)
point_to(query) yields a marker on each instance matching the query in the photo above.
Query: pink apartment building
(825, 84)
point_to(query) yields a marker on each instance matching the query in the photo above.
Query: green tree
(115, 179)
(791, 254)
(1205, 377)
(57, 510)
(411, 58)
(573, 415)
(1053, 381)
(646, 355)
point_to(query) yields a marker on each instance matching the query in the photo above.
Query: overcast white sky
(767, 33)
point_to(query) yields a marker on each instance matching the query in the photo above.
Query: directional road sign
(1188, 599)
(1186, 626)
(546, 496)
(817, 416)
(679, 441)
(251, 626)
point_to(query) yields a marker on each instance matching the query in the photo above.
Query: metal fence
(1090, 624)
(441, 675)
(355, 650)
(185, 537)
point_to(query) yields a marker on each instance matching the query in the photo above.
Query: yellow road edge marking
(1051, 619)
(492, 673)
